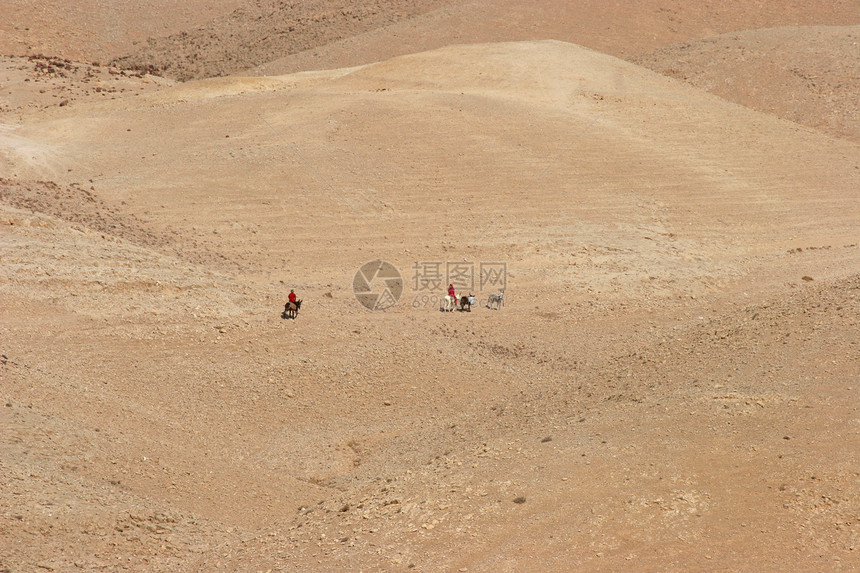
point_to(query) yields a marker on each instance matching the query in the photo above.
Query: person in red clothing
(292, 296)
(451, 291)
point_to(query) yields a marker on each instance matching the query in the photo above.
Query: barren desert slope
(794, 59)
(283, 37)
(671, 384)
(202, 38)
(807, 74)
(97, 30)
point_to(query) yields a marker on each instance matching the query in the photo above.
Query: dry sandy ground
(810, 75)
(34, 83)
(671, 384)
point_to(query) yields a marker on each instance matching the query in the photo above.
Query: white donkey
(496, 299)
(450, 303)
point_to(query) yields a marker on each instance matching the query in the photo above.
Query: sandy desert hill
(798, 73)
(670, 385)
(289, 36)
(808, 75)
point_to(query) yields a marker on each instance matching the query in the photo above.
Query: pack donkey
(496, 300)
(291, 309)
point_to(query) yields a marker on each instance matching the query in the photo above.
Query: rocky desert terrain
(666, 191)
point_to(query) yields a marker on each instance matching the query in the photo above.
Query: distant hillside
(810, 75)
(267, 29)
(97, 30)
(325, 34)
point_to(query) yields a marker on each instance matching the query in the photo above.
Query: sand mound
(805, 74)
(484, 124)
